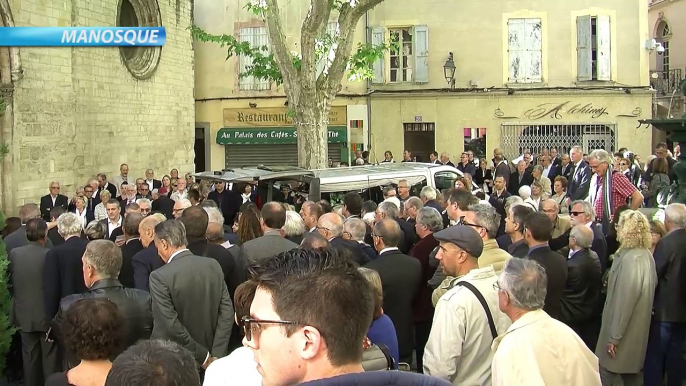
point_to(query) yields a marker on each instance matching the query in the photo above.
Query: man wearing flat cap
(467, 317)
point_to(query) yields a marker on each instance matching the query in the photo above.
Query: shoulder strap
(478, 295)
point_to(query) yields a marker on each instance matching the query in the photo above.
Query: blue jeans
(664, 354)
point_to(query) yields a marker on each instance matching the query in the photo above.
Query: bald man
(552, 210)
(330, 226)
(146, 260)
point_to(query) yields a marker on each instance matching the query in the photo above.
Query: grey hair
(578, 149)
(676, 214)
(511, 201)
(538, 168)
(357, 228)
(185, 203)
(28, 212)
(583, 239)
(602, 156)
(487, 217)
(69, 224)
(586, 207)
(173, 232)
(214, 215)
(414, 202)
(430, 218)
(334, 225)
(95, 230)
(144, 200)
(389, 209)
(555, 205)
(526, 282)
(428, 193)
(56, 182)
(105, 257)
(294, 226)
(105, 193)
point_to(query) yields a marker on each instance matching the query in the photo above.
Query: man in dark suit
(18, 238)
(63, 273)
(579, 177)
(162, 204)
(104, 185)
(519, 178)
(52, 200)
(114, 220)
(132, 245)
(53, 233)
(400, 275)
(356, 230)
(565, 166)
(147, 260)
(502, 168)
(184, 288)
(28, 307)
(151, 181)
(668, 325)
(582, 213)
(272, 243)
(91, 201)
(388, 210)
(555, 157)
(549, 169)
(103, 261)
(661, 151)
(582, 301)
(228, 201)
(331, 227)
(538, 229)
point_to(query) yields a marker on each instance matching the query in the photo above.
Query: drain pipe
(368, 39)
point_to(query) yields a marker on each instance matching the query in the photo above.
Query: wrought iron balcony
(666, 82)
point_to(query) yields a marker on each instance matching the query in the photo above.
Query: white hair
(428, 193)
(214, 215)
(185, 203)
(676, 214)
(144, 201)
(294, 226)
(69, 224)
(602, 156)
(525, 192)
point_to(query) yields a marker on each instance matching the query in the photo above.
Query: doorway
(420, 139)
(199, 147)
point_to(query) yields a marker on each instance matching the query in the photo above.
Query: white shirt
(176, 196)
(238, 368)
(458, 349)
(113, 225)
(388, 250)
(538, 350)
(84, 221)
(54, 200)
(150, 184)
(546, 171)
(175, 254)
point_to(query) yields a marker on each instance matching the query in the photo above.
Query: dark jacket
(599, 245)
(434, 204)
(164, 205)
(116, 232)
(26, 275)
(134, 305)
(648, 175)
(369, 251)
(355, 248)
(518, 249)
(18, 239)
(55, 237)
(229, 202)
(400, 277)
(579, 182)
(423, 309)
(513, 185)
(503, 169)
(128, 251)
(63, 273)
(670, 294)
(556, 270)
(379, 378)
(233, 276)
(143, 263)
(46, 205)
(581, 301)
(409, 238)
(468, 169)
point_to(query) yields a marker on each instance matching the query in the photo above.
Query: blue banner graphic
(82, 36)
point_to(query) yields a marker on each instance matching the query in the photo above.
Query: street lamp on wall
(449, 71)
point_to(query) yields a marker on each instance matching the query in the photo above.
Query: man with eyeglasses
(51, 200)
(560, 224)
(403, 190)
(145, 206)
(228, 201)
(467, 319)
(484, 219)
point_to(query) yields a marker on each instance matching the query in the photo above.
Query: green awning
(272, 135)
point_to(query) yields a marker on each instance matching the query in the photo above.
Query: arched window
(663, 36)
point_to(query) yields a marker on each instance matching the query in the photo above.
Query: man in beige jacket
(560, 224)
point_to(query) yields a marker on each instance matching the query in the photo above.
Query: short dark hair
(194, 194)
(519, 213)
(315, 209)
(539, 225)
(154, 363)
(314, 240)
(132, 206)
(242, 299)
(195, 219)
(353, 203)
(326, 206)
(57, 211)
(341, 308)
(92, 329)
(131, 223)
(661, 145)
(113, 201)
(434, 153)
(36, 229)
(273, 215)
(463, 198)
(369, 206)
(389, 231)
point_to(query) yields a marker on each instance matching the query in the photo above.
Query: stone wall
(78, 111)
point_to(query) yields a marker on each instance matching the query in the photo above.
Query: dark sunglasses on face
(576, 213)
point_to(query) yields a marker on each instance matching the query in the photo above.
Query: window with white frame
(408, 57)
(593, 48)
(257, 37)
(331, 36)
(525, 50)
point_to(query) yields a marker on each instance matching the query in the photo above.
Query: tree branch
(313, 27)
(277, 38)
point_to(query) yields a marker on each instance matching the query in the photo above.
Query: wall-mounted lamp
(252, 105)
(449, 71)
(653, 45)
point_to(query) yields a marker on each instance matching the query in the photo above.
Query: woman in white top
(81, 210)
(100, 210)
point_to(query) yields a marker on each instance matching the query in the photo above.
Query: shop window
(475, 140)
(593, 48)
(408, 58)
(141, 62)
(420, 139)
(257, 38)
(525, 51)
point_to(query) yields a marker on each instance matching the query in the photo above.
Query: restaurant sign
(558, 110)
(274, 117)
(273, 135)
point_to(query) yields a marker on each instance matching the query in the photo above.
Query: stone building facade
(72, 112)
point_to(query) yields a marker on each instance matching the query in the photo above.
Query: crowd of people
(189, 283)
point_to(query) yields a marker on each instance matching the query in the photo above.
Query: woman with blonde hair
(631, 285)
(100, 210)
(382, 331)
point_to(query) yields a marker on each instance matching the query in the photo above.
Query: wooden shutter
(533, 51)
(257, 37)
(604, 59)
(420, 43)
(584, 48)
(378, 38)
(515, 39)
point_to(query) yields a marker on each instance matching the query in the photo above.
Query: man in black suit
(63, 267)
(132, 245)
(356, 230)
(582, 213)
(519, 178)
(147, 260)
(580, 177)
(151, 181)
(184, 288)
(114, 220)
(400, 275)
(228, 201)
(538, 229)
(661, 151)
(428, 197)
(549, 169)
(331, 227)
(18, 238)
(91, 201)
(28, 305)
(52, 200)
(103, 259)
(554, 157)
(502, 168)
(310, 212)
(565, 166)
(162, 204)
(388, 210)
(104, 185)
(582, 301)
(53, 233)
(668, 325)
(465, 166)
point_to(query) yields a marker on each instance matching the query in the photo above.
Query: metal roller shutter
(270, 154)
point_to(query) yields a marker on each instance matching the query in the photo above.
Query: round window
(140, 61)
